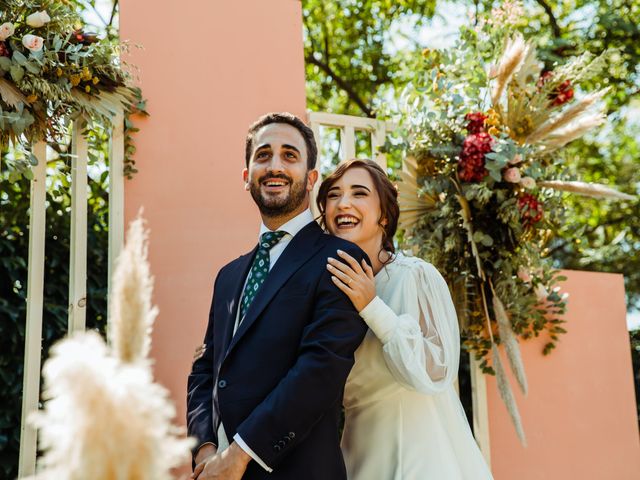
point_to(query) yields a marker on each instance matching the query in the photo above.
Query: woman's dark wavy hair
(389, 208)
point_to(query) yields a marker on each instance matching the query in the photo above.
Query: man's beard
(279, 206)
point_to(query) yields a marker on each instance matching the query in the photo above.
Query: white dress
(403, 418)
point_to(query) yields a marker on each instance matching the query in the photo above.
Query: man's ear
(312, 178)
(245, 178)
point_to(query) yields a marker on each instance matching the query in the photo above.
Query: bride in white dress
(403, 418)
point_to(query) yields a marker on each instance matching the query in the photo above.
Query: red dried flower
(530, 209)
(476, 122)
(472, 161)
(4, 50)
(562, 94)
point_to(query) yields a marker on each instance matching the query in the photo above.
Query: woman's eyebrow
(360, 186)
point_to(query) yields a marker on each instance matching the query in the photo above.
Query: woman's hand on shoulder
(355, 279)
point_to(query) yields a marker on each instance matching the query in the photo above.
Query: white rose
(33, 42)
(528, 182)
(6, 30)
(38, 19)
(512, 175)
(516, 159)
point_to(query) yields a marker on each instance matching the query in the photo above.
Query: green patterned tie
(259, 269)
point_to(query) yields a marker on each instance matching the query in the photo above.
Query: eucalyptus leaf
(19, 57)
(17, 73)
(5, 63)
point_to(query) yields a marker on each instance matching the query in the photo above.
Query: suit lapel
(302, 247)
(236, 284)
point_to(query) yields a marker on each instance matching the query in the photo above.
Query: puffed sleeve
(420, 335)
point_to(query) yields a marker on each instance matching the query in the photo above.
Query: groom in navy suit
(265, 392)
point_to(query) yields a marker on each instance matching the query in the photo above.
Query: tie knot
(269, 239)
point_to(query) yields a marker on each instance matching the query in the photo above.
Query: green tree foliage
(347, 50)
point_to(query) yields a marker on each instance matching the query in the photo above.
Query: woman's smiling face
(353, 210)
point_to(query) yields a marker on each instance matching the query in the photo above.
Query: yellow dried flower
(59, 72)
(87, 89)
(86, 74)
(75, 79)
(493, 131)
(426, 52)
(32, 98)
(493, 118)
(95, 80)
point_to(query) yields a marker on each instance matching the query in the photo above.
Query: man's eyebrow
(264, 145)
(290, 147)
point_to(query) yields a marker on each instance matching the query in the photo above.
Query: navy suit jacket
(279, 380)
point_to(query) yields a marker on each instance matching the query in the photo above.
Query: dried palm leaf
(10, 94)
(106, 104)
(595, 190)
(132, 313)
(413, 203)
(564, 118)
(515, 51)
(510, 341)
(507, 395)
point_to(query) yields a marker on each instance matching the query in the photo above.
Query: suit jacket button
(222, 384)
(282, 444)
(277, 448)
(291, 435)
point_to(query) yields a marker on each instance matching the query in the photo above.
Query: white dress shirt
(292, 227)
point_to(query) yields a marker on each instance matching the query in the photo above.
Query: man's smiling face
(277, 176)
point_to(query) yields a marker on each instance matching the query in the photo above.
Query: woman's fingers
(345, 274)
(342, 286)
(367, 269)
(351, 261)
(341, 266)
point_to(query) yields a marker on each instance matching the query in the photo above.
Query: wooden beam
(78, 254)
(35, 294)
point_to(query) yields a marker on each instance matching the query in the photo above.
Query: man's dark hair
(289, 119)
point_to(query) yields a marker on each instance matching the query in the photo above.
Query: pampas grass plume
(566, 117)
(510, 341)
(507, 395)
(104, 418)
(573, 131)
(595, 190)
(131, 312)
(515, 51)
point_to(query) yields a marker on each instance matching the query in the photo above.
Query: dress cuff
(250, 452)
(380, 318)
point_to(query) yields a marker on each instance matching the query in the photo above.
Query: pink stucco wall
(208, 69)
(580, 414)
